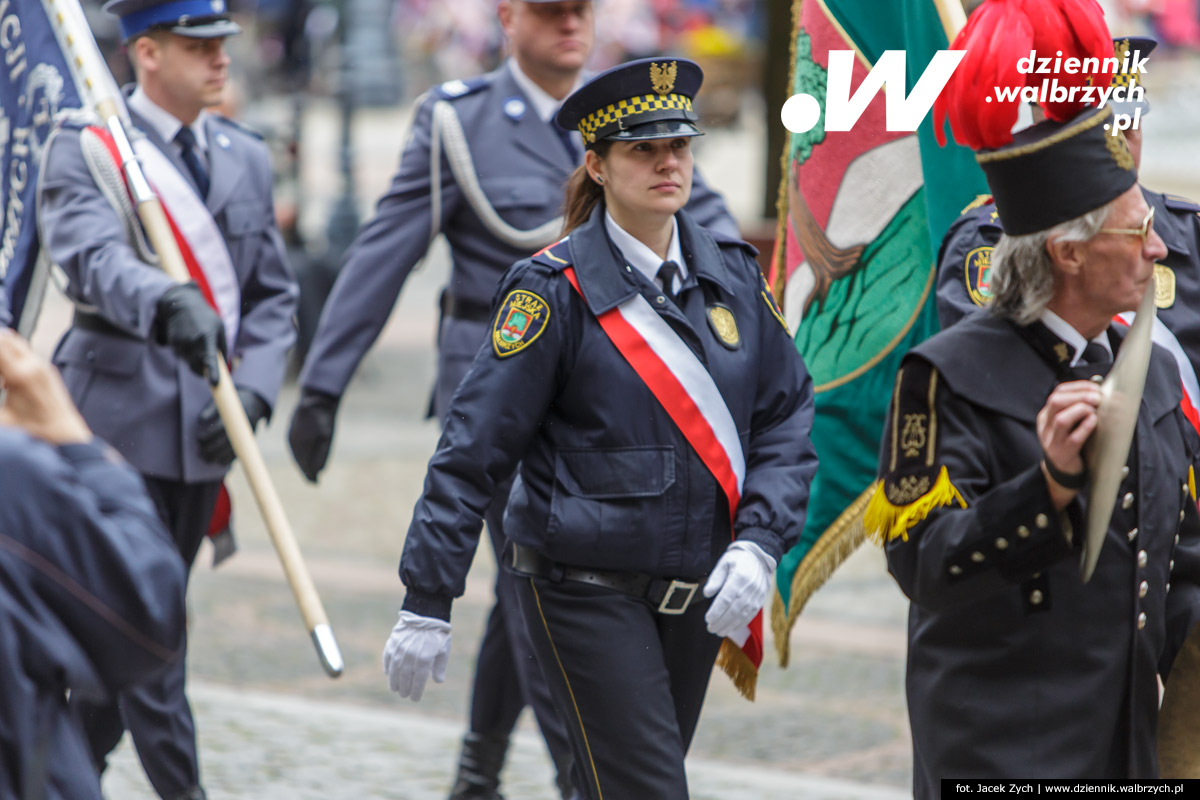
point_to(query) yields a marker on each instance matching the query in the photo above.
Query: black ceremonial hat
(650, 98)
(1053, 172)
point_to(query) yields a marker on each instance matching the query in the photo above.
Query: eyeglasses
(1142, 232)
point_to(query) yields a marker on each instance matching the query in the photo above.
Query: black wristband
(1068, 480)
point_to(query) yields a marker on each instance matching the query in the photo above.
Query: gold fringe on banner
(834, 546)
(739, 668)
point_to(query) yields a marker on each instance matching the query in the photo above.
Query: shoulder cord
(448, 129)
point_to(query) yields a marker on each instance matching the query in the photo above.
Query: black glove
(311, 431)
(187, 323)
(215, 446)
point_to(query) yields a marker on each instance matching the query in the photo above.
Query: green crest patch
(522, 318)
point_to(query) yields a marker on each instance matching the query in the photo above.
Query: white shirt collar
(641, 257)
(1063, 330)
(165, 123)
(544, 105)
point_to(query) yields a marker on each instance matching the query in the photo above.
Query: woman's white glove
(418, 647)
(740, 580)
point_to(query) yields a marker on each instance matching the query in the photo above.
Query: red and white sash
(686, 390)
(200, 240)
(1161, 335)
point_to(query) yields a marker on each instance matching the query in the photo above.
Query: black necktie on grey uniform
(187, 148)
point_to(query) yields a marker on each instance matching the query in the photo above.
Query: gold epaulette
(885, 520)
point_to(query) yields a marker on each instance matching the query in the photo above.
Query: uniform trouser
(507, 674)
(630, 682)
(156, 711)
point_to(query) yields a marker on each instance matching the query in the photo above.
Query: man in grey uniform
(486, 165)
(140, 346)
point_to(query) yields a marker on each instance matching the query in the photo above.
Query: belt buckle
(667, 607)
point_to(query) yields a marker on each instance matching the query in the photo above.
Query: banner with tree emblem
(861, 216)
(38, 85)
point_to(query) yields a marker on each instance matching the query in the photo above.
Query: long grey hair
(1023, 272)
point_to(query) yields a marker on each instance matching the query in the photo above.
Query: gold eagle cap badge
(662, 78)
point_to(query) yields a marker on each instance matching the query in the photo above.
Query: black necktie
(1095, 354)
(187, 148)
(568, 142)
(666, 274)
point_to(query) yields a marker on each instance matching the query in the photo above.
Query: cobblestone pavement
(832, 725)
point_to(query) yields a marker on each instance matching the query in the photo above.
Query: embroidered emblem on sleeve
(913, 482)
(978, 269)
(521, 319)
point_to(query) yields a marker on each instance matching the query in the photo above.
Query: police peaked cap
(1053, 172)
(650, 98)
(197, 19)
(1136, 48)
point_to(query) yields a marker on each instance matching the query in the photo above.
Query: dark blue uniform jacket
(91, 600)
(606, 479)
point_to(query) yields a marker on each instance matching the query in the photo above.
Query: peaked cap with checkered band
(650, 98)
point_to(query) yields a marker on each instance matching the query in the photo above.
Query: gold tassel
(884, 521)
(834, 546)
(1192, 482)
(739, 668)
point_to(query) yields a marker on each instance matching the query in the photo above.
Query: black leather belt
(469, 310)
(666, 595)
(95, 323)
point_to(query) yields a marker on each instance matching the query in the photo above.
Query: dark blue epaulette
(725, 240)
(986, 216)
(1181, 204)
(556, 256)
(238, 126)
(452, 90)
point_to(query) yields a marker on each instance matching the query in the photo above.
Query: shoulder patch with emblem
(771, 304)
(452, 90)
(521, 320)
(912, 482)
(977, 271)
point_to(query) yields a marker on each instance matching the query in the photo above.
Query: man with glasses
(1017, 668)
(965, 257)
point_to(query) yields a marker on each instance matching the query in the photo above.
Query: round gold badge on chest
(1164, 286)
(723, 324)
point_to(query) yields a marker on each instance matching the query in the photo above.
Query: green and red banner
(861, 216)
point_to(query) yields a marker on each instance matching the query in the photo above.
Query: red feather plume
(996, 37)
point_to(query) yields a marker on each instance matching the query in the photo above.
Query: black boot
(479, 767)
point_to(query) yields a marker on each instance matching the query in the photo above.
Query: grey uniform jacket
(134, 393)
(520, 167)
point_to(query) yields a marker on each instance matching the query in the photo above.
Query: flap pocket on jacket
(244, 216)
(615, 472)
(111, 355)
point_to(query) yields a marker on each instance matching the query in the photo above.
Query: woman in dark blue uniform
(642, 376)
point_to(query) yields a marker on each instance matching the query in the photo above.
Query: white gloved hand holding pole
(418, 648)
(740, 581)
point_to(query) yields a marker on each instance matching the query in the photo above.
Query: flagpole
(97, 88)
(953, 18)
